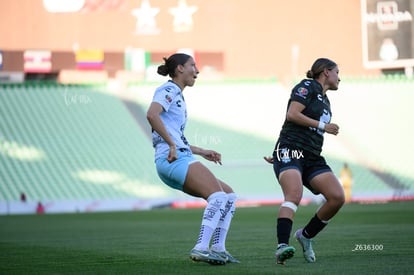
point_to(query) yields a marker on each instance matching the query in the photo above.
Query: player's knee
(290, 205)
(294, 198)
(336, 199)
(341, 200)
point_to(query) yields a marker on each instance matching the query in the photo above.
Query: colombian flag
(89, 60)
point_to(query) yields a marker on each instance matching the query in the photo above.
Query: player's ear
(180, 68)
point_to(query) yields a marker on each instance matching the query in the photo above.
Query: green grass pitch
(361, 239)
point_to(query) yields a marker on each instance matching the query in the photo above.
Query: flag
(37, 61)
(89, 60)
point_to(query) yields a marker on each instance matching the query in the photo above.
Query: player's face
(333, 78)
(190, 72)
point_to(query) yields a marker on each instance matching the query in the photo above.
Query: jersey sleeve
(302, 93)
(164, 96)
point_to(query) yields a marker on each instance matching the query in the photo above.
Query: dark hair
(170, 64)
(319, 66)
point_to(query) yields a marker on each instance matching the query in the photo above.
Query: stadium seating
(62, 142)
(244, 119)
(77, 142)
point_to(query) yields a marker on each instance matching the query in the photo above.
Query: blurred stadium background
(77, 77)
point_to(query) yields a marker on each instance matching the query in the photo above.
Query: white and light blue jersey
(174, 117)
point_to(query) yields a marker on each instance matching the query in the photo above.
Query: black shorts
(308, 164)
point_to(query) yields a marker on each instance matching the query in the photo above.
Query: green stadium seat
(75, 142)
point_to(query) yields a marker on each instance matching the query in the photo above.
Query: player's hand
(211, 156)
(172, 154)
(268, 159)
(332, 128)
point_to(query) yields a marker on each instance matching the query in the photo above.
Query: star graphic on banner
(183, 21)
(145, 15)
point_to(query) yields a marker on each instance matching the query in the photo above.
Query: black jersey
(309, 93)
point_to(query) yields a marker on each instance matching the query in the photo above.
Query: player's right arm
(154, 119)
(295, 115)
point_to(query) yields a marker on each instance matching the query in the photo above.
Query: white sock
(220, 234)
(211, 217)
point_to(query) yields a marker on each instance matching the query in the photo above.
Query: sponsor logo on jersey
(320, 98)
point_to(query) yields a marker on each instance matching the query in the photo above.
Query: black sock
(314, 226)
(284, 227)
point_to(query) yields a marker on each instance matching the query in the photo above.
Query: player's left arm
(210, 155)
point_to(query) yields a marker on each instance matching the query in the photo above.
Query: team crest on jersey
(302, 92)
(168, 98)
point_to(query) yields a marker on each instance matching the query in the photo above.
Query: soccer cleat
(306, 246)
(226, 256)
(283, 253)
(207, 257)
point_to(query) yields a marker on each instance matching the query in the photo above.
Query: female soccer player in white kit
(179, 169)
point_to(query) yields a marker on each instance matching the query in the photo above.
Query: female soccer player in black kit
(297, 159)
